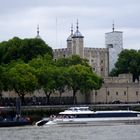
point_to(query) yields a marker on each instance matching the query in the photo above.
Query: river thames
(110, 132)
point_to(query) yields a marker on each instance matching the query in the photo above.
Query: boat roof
(86, 110)
(117, 111)
(79, 108)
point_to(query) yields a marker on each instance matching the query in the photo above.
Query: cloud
(20, 18)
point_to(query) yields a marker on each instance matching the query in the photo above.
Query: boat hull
(96, 121)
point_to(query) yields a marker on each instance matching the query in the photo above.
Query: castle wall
(98, 60)
(120, 88)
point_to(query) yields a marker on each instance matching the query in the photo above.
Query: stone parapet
(122, 78)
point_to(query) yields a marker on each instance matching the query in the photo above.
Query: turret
(38, 36)
(69, 41)
(78, 42)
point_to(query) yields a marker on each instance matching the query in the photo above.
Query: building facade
(102, 61)
(97, 57)
(121, 89)
(114, 42)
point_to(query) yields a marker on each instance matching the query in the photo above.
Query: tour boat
(83, 115)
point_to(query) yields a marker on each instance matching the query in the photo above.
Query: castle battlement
(60, 50)
(96, 49)
(122, 78)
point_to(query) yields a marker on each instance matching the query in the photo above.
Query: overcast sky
(21, 17)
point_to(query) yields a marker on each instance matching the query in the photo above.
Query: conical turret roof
(71, 35)
(77, 34)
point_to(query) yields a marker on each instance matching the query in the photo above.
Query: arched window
(108, 93)
(124, 92)
(95, 93)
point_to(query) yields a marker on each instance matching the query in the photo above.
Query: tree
(41, 61)
(62, 81)
(83, 79)
(128, 62)
(22, 79)
(9, 50)
(2, 70)
(72, 60)
(31, 48)
(24, 49)
(46, 79)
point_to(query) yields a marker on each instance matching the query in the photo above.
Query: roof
(70, 38)
(77, 34)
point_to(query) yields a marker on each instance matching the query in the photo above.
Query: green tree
(83, 79)
(41, 61)
(1, 81)
(22, 80)
(46, 79)
(25, 49)
(31, 48)
(62, 81)
(71, 60)
(128, 62)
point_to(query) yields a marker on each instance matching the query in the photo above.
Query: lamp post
(106, 95)
(127, 95)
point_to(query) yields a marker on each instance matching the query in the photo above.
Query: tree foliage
(71, 60)
(128, 62)
(27, 65)
(47, 80)
(24, 49)
(22, 79)
(83, 79)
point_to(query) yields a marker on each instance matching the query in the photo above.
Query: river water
(113, 132)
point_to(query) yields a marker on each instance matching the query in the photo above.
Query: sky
(55, 17)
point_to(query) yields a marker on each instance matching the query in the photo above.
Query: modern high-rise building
(114, 43)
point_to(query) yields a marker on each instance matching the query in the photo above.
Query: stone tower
(69, 41)
(75, 42)
(114, 43)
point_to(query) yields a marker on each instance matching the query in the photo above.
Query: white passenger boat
(83, 115)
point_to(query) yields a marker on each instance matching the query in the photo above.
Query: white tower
(78, 43)
(114, 43)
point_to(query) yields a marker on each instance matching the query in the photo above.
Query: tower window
(124, 92)
(95, 93)
(108, 93)
(137, 93)
(117, 93)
